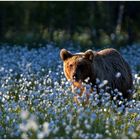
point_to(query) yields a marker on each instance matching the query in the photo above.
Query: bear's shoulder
(108, 51)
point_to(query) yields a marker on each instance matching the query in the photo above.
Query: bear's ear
(64, 54)
(89, 54)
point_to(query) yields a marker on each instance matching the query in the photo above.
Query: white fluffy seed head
(24, 114)
(105, 82)
(87, 79)
(118, 74)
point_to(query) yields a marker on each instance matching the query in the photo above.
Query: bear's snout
(75, 77)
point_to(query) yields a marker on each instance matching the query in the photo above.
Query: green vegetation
(36, 99)
(84, 23)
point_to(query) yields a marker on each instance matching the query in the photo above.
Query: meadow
(36, 99)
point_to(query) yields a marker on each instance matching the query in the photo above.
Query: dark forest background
(84, 23)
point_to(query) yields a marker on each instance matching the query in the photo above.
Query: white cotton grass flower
(36, 85)
(104, 83)
(88, 126)
(55, 130)
(120, 93)
(40, 135)
(32, 125)
(116, 90)
(68, 129)
(24, 114)
(24, 136)
(46, 130)
(98, 136)
(134, 135)
(135, 76)
(87, 79)
(118, 74)
(1, 69)
(98, 81)
(23, 127)
(114, 98)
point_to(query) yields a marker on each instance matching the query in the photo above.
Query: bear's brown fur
(103, 65)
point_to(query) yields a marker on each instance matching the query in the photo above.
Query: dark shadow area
(82, 23)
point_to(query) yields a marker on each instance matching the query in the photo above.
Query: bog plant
(36, 100)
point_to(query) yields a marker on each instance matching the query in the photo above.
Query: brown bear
(107, 64)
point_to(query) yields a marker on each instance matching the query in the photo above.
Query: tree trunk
(120, 18)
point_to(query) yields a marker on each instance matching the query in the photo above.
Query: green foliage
(85, 23)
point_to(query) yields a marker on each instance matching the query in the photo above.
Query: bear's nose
(75, 77)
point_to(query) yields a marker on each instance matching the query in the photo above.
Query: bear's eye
(70, 65)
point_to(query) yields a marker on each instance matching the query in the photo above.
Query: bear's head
(77, 67)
